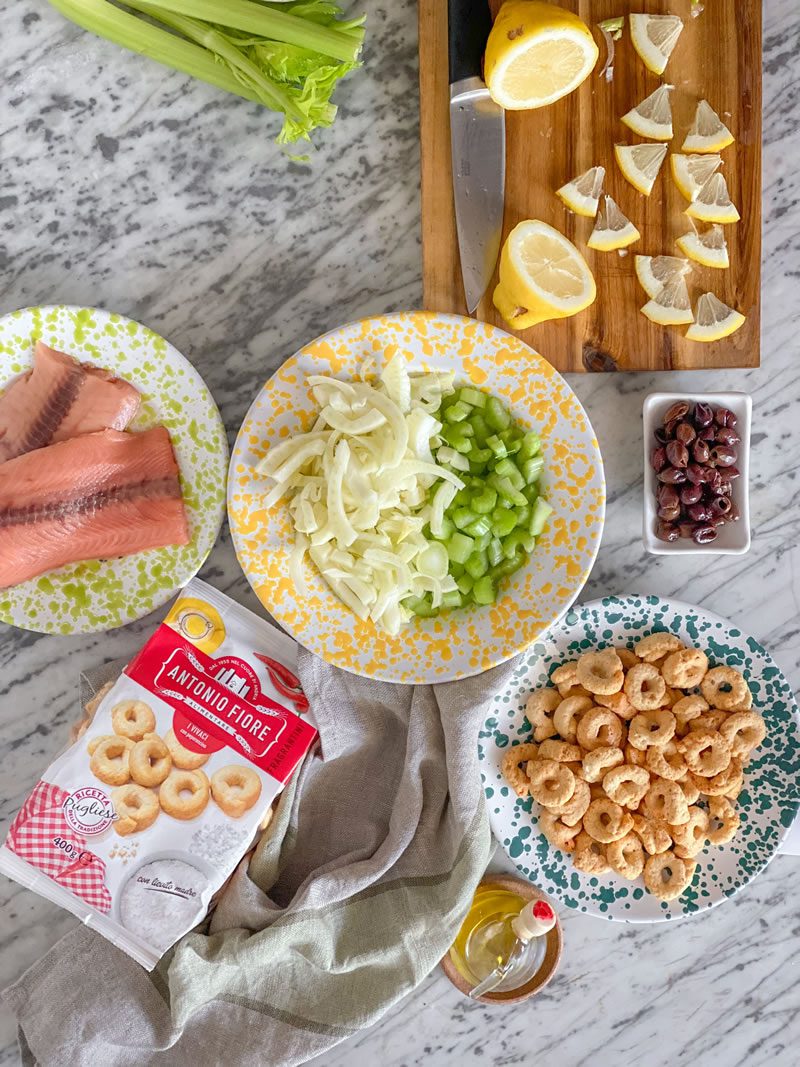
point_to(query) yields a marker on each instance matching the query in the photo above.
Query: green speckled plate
(102, 594)
(767, 805)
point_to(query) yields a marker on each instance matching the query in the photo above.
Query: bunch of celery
(287, 56)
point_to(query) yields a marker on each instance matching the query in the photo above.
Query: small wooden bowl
(553, 945)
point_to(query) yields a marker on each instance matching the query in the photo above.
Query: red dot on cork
(541, 910)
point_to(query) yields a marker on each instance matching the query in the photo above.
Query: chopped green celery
(517, 539)
(456, 438)
(478, 423)
(484, 502)
(477, 565)
(463, 517)
(464, 583)
(495, 551)
(523, 515)
(457, 412)
(479, 527)
(483, 591)
(476, 468)
(531, 493)
(503, 521)
(447, 529)
(472, 396)
(482, 542)
(507, 468)
(532, 468)
(456, 569)
(531, 445)
(461, 499)
(541, 513)
(460, 547)
(497, 446)
(421, 605)
(507, 566)
(507, 491)
(496, 414)
(453, 599)
(480, 455)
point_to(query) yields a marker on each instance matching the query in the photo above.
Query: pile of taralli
(637, 759)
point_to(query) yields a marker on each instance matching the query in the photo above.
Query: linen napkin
(350, 899)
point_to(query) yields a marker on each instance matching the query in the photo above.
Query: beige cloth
(350, 899)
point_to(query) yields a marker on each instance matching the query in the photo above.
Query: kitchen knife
(478, 146)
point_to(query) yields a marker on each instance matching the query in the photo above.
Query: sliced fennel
(361, 488)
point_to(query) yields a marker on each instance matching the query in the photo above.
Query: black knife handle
(469, 25)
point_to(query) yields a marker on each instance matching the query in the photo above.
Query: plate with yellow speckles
(766, 805)
(99, 595)
(466, 641)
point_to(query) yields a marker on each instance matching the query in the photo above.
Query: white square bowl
(733, 539)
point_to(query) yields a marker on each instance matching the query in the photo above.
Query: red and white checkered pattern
(39, 821)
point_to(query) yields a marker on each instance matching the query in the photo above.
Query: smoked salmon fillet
(96, 496)
(60, 398)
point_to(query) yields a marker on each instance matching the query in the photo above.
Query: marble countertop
(128, 187)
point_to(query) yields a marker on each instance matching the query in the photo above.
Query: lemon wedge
(654, 37)
(654, 272)
(612, 229)
(582, 194)
(536, 53)
(708, 133)
(671, 305)
(713, 203)
(542, 276)
(713, 320)
(709, 248)
(653, 117)
(640, 163)
(691, 173)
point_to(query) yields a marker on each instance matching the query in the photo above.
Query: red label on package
(219, 702)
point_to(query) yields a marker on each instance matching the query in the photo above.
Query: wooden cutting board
(717, 57)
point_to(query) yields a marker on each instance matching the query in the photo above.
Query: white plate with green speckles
(100, 595)
(767, 804)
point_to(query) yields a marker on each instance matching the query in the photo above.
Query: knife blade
(478, 148)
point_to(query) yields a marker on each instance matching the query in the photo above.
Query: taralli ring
(667, 875)
(691, 836)
(666, 761)
(627, 658)
(626, 785)
(644, 687)
(110, 761)
(709, 720)
(723, 820)
(512, 767)
(150, 761)
(551, 783)
(618, 703)
(723, 784)
(651, 728)
(626, 856)
(606, 821)
(557, 832)
(560, 751)
(744, 731)
(690, 790)
(235, 789)
(706, 752)
(573, 811)
(184, 794)
(183, 758)
(539, 713)
(136, 807)
(656, 646)
(665, 801)
(567, 714)
(133, 719)
(96, 741)
(685, 669)
(600, 728)
(601, 672)
(726, 689)
(687, 709)
(589, 855)
(653, 834)
(600, 760)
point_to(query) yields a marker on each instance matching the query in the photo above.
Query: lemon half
(536, 53)
(542, 276)
(713, 320)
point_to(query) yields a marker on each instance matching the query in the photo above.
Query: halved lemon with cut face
(613, 230)
(713, 203)
(671, 305)
(708, 133)
(653, 117)
(640, 163)
(709, 248)
(654, 272)
(690, 173)
(713, 320)
(654, 38)
(582, 194)
(536, 53)
(542, 276)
